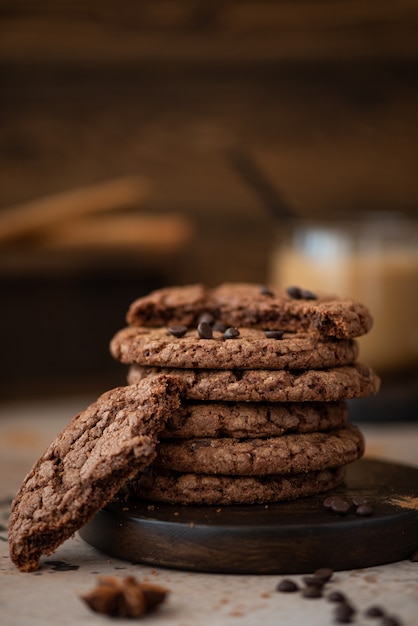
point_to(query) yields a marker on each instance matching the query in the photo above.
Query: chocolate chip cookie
(249, 348)
(288, 454)
(252, 419)
(328, 385)
(190, 488)
(87, 464)
(254, 306)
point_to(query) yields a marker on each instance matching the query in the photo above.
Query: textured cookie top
(253, 305)
(250, 349)
(337, 383)
(85, 466)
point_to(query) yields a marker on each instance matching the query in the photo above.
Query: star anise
(124, 598)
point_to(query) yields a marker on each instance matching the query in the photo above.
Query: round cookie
(252, 305)
(338, 383)
(177, 488)
(252, 419)
(289, 454)
(251, 349)
(86, 465)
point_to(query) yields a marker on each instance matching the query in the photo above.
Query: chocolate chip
(231, 333)
(311, 591)
(177, 331)
(265, 291)
(337, 505)
(274, 334)
(343, 613)
(324, 572)
(336, 596)
(314, 581)
(220, 327)
(294, 292)
(359, 500)
(374, 611)
(287, 586)
(308, 295)
(340, 506)
(301, 294)
(328, 502)
(204, 330)
(207, 317)
(364, 510)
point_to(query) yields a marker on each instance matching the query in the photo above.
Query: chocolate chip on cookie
(253, 306)
(251, 348)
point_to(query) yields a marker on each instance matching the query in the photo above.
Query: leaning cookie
(338, 383)
(249, 348)
(177, 488)
(252, 419)
(252, 305)
(289, 454)
(86, 465)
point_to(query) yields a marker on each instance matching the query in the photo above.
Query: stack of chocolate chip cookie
(267, 375)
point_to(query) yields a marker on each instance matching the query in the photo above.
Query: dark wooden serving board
(288, 537)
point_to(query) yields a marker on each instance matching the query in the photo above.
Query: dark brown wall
(233, 111)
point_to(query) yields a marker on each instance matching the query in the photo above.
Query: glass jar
(372, 259)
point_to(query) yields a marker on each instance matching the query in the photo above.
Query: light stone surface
(53, 597)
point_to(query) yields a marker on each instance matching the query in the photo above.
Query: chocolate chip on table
(336, 596)
(414, 557)
(324, 572)
(337, 504)
(374, 611)
(204, 330)
(220, 327)
(344, 613)
(231, 333)
(286, 585)
(327, 503)
(364, 510)
(340, 506)
(274, 334)
(177, 331)
(312, 591)
(314, 581)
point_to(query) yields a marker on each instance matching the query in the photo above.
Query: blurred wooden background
(231, 111)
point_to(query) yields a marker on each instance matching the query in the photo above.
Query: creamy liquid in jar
(373, 262)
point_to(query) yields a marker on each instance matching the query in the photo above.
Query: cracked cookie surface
(289, 454)
(191, 488)
(251, 305)
(86, 465)
(338, 383)
(252, 419)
